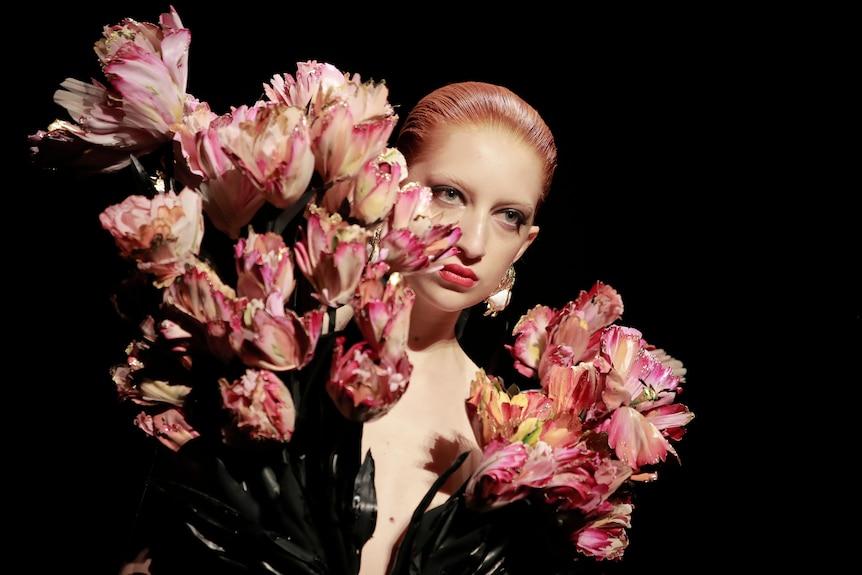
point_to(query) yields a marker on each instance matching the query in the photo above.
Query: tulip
(146, 68)
(261, 405)
(162, 235)
(271, 146)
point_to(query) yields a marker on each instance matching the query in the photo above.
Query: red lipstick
(458, 275)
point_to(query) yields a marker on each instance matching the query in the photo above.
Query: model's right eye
(447, 195)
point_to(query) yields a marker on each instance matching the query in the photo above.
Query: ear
(534, 231)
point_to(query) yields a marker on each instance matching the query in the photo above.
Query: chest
(412, 445)
(417, 441)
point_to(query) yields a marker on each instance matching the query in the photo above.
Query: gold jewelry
(501, 297)
(373, 248)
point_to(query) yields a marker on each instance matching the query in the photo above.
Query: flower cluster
(245, 345)
(603, 415)
(318, 144)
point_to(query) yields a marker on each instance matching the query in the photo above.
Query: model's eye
(447, 195)
(513, 218)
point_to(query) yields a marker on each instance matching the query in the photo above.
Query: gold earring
(373, 249)
(501, 297)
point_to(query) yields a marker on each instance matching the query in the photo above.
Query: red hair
(483, 104)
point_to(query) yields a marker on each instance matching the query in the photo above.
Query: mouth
(458, 275)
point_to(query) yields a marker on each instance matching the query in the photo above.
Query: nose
(474, 235)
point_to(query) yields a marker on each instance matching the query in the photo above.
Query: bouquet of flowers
(247, 236)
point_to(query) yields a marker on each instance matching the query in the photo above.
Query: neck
(431, 328)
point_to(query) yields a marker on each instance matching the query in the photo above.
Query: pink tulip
(230, 197)
(270, 144)
(170, 428)
(264, 267)
(274, 338)
(312, 78)
(384, 321)
(261, 405)
(163, 234)
(410, 241)
(350, 127)
(331, 254)
(370, 194)
(146, 68)
(364, 387)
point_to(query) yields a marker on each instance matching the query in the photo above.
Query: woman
(489, 159)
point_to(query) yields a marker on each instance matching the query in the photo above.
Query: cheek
(502, 251)
(444, 215)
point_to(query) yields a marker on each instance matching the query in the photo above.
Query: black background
(700, 175)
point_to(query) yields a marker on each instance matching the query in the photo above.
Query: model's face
(489, 184)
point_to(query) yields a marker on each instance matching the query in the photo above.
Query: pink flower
(384, 319)
(637, 441)
(575, 391)
(349, 127)
(508, 472)
(163, 234)
(230, 196)
(410, 241)
(264, 267)
(146, 69)
(270, 144)
(494, 414)
(604, 412)
(200, 312)
(638, 384)
(169, 427)
(312, 77)
(605, 536)
(584, 479)
(371, 194)
(546, 337)
(265, 335)
(331, 254)
(531, 339)
(365, 387)
(261, 405)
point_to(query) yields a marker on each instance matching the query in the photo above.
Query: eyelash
(451, 194)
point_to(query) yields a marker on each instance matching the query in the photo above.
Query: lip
(458, 275)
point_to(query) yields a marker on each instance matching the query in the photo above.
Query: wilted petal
(605, 537)
(271, 147)
(261, 406)
(331, 254)
(351, 128)
(635, 440)
(364, 387)
(230, 197)
(163, 234)
(266, 340)
(146, 70)
(169, 427)
(264, 267)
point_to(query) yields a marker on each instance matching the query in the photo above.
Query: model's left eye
(514, 218)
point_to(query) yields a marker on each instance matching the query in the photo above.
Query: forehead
(482, 157)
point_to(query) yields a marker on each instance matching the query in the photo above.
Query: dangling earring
(373, 249)
(501, 297)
